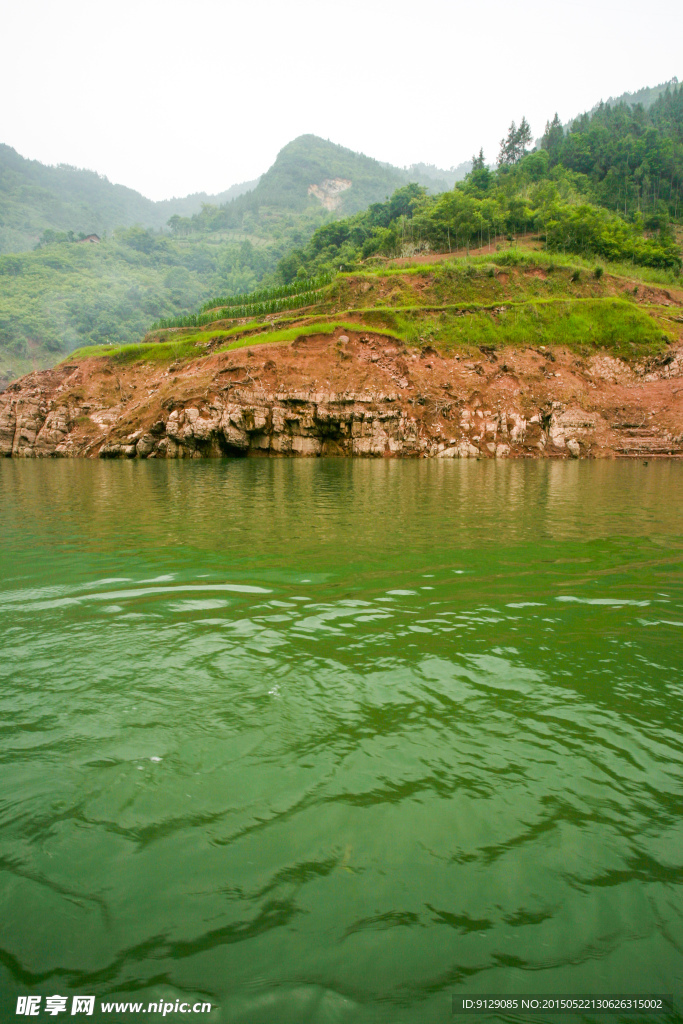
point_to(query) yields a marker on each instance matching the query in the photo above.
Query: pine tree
(523, 138)
(514, 146)
(507, 146)
(553, 136)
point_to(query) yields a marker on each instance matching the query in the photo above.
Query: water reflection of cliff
(248, 506)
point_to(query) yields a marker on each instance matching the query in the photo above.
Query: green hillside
(35, 198)
(65, 295)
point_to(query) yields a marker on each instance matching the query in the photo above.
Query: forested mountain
(311, 177)
(35, 198)
(66, 294)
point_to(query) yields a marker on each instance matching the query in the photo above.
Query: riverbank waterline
(334, 740)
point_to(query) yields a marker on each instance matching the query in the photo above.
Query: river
(333, 741)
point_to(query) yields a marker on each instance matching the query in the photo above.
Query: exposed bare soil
(603, 406)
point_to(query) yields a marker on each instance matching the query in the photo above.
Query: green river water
(333, 741)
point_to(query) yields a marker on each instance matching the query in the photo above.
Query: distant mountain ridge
(645, 96)
(185, 206)
(35, 197)
(435, 178)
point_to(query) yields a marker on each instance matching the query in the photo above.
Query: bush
(576, 276)
(597, 273)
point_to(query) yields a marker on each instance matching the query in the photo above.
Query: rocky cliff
(362, 395)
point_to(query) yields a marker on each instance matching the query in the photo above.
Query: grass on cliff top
(195, 346)
(316, 326)
(583, 325)
(513, 276)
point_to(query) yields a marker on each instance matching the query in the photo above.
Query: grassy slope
(582, 325)
(453, 306)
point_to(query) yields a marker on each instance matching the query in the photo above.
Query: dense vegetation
(631, 157)
(65, 295)
(303, 292)
(470, 216)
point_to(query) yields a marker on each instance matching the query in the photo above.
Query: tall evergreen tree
(523, 139)
(553, 135)
(514, 146)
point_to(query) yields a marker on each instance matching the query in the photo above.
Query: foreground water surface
(334, 741)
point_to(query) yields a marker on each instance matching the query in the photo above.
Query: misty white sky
(178, 97)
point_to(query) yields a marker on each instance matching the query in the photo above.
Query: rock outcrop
(253, 422)
(379, 400)
(328, 192)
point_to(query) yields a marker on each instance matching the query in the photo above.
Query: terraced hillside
(501, 355)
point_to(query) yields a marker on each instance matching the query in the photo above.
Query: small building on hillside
(90, 238)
